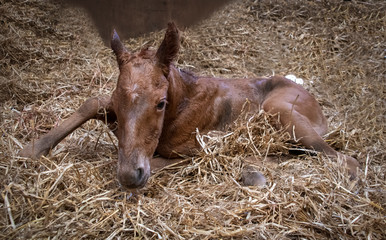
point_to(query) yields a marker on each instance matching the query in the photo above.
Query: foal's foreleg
(92, 108)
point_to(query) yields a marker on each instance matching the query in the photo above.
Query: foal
(158, 107)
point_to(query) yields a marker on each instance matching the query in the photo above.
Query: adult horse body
(158, 108)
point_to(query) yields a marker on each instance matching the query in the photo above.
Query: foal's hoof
(30, 152)
(352, 166)
(251, 177)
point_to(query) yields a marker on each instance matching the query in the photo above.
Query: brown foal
(158, 108)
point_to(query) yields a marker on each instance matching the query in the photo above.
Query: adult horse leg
(91, 108)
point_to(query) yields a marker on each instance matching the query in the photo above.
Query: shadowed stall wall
(135, 17)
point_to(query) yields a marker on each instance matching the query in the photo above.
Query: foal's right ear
(169, 47)
(117, 45)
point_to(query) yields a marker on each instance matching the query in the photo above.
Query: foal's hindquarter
(158, 108)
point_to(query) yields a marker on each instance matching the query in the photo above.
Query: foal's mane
(189, 78)
(146, 53)
(190, 73)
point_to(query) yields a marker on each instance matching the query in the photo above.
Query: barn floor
(52, 59)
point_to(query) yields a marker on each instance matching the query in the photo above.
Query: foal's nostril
(134, 178)
(140, 173)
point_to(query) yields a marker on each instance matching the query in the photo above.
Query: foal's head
(139, 102)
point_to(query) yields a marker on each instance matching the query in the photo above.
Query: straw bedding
(52, 60)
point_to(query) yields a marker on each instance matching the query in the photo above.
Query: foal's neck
(183, 114)
(181, 88)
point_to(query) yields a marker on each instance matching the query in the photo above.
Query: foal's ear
(117, 45)
(169, 47)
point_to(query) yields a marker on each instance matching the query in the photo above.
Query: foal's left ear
(169, 47)
(117, 45)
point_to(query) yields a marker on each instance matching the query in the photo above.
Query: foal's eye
(161, 105)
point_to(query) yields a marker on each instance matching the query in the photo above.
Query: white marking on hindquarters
(295, 79)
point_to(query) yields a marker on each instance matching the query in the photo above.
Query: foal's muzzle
(133, 171)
